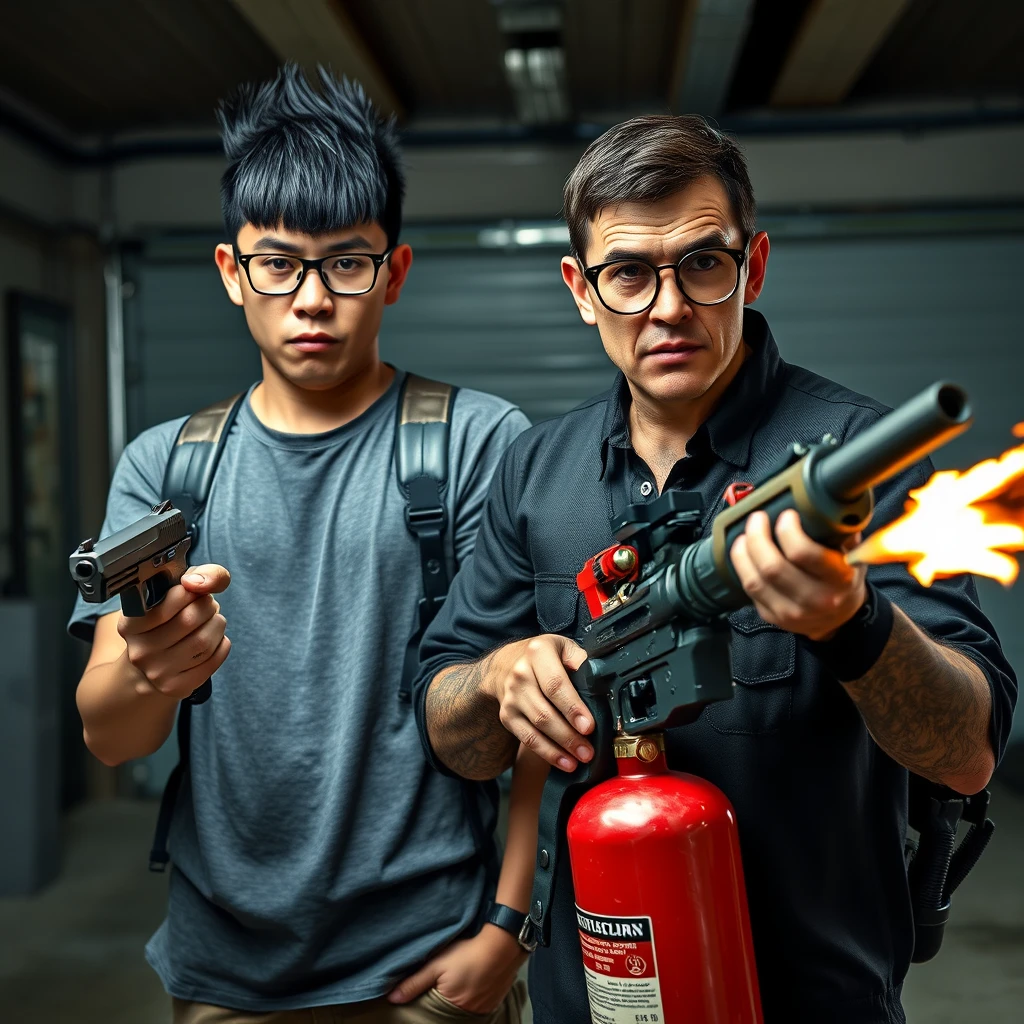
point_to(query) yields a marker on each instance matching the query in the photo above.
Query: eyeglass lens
(706, 277)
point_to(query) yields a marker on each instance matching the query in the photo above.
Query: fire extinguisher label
(621, 969)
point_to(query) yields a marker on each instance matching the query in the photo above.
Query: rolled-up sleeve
(491, 600)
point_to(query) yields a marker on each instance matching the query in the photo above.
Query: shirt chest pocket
(558, 604)
(764, 668)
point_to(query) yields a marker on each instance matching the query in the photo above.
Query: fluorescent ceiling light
(535, 234)
(537, 79)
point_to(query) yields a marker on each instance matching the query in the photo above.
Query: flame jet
(958, 522)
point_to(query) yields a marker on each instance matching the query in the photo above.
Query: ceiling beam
(833, 45)
(312, 32)
(711, 36)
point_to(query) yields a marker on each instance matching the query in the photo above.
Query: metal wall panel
(497, 321)
(187, 346)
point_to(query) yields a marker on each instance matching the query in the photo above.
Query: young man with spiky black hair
(318, 861)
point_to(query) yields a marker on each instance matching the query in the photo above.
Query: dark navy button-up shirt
(822, 810)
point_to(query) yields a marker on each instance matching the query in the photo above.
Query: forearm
(517, 867)
(462, 719)
(123, 716)
(928, 707)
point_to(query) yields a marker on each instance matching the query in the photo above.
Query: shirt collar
(730, 427)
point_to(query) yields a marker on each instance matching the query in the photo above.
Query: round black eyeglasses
(274, 273)
(706, 277)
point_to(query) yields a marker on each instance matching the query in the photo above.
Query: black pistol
(139, 564)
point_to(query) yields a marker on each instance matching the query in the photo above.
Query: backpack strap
(188, 478)
(421, 465)
(194, 457)
(158, 855)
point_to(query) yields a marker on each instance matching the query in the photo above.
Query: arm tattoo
(463, 725)
(927, 706)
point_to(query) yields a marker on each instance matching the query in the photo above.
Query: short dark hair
(646, 159)
(312, 161)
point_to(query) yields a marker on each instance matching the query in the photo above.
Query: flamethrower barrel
(905, 436)
(830, 488)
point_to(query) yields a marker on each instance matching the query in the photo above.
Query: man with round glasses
(846, 680)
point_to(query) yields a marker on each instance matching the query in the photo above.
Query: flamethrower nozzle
(830, 487)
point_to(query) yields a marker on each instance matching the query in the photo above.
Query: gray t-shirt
(317, 858)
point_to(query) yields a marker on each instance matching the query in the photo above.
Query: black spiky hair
(311, 161)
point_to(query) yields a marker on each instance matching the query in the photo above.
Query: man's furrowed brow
(351, 243)
(712, 240)
(614, 255)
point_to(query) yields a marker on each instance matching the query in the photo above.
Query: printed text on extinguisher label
(621, 969)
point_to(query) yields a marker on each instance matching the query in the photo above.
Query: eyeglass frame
(378, 260)
(592, 273)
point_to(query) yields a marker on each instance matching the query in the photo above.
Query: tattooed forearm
(463, 724)
(928, 706)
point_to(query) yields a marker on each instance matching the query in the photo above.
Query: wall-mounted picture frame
(40, 427)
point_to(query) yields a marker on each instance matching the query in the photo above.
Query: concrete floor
(73, 954)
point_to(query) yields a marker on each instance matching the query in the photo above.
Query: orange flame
(959, 522)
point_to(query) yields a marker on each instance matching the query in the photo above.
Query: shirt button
(646, 487)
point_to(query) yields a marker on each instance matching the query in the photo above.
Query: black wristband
(858, 643)
(512, 921)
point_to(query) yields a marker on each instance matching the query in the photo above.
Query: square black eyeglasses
(274, 273)
(706, 277)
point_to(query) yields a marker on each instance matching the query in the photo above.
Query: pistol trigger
(156, 589)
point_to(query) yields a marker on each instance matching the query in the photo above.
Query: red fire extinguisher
(661, 905)
(660, 901)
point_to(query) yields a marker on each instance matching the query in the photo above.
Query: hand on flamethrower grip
(177, 645)
(538, 703)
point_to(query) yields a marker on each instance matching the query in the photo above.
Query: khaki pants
(429, 1008)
